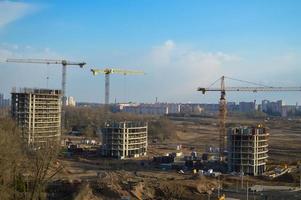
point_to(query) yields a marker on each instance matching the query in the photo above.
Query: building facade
(272, 108)
(248, 149)
(38, 114)
(124, 139)
(70, 101)
(247, 106)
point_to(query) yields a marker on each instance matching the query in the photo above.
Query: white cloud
(184, 69)
(11, 11)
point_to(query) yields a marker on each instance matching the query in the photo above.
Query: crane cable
(243, 81)
(239, 80)
(214, 82)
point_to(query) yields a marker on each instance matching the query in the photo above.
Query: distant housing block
(247, 149)
(38, 114)
(124, 139)
(4, 103)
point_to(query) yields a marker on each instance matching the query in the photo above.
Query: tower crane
(223, 104)
(107, 72)
(64, 64)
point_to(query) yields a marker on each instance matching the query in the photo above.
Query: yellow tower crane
(107, 72)
(223, 104)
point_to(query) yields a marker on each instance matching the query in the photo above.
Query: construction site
(124, 139)
(107, 155)
(98, 110)
(248, 150)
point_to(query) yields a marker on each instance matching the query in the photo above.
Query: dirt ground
(284, 140)
(100, 178)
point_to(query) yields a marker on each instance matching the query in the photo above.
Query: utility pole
(300, 173)
(247, 190)
(219, 187)
(242, 179)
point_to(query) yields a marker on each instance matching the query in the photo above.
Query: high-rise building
(70, 102)
(38, 114)
(248, 149)
(272, 108)
(247, 106)
(124, 139)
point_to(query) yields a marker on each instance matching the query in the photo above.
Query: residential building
(272, 108)
(124, 139)
(248, 149)
(148, 109)
(247, 106)
(70, 102)
(38, 114)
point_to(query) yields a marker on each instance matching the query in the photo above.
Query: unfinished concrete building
(124, 139)
(38, 114)
(248, 149)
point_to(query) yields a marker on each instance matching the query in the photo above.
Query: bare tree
(11, 161)
(43, 166)
(24, 171)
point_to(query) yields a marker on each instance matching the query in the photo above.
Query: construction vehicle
(107, 72)
(223, 103)
(223, 197)
(64, 64)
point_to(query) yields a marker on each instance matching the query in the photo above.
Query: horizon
(180, 46)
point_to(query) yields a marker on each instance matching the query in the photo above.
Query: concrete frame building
(124, 139)
(248, 149)
(38, 114)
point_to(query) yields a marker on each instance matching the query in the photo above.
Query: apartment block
(124, 139)
(248, 149)
(247, 106)
(38, 114)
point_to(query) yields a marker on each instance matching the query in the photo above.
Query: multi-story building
(289, 110)
(38, 114)
(148, 109)
(191, 108)
(247, 106)
(272, 108)
(124, 139)
(248, 149)
(4, 103)
(70, 102)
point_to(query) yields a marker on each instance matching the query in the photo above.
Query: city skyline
(180, 46)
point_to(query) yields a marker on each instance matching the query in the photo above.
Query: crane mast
(64, 64)
(223, 104)
(107, 72)
(222, 118)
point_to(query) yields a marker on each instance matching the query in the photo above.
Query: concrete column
(29, 119)
(33, 115)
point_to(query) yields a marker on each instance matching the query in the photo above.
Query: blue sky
(179, 44)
